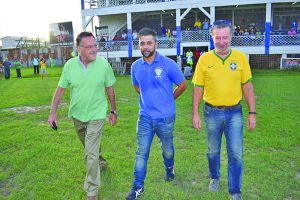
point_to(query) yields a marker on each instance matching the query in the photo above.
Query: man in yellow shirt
(224, 76)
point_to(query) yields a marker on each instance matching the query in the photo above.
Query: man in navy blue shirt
(7, 64)
(153, 77)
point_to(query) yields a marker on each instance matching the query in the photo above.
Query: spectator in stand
(36, 65)
(18, 66)
(134, 35)
(197, 25)
(291, 31)
(168, 33)
(102, 39)
(163, 31)
(298, 26)
(174, 33)
(124, 35)
(205, 24)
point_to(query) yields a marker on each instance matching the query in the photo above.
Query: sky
(31, 18)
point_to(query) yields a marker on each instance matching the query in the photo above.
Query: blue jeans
(146, 128)
(230, 121)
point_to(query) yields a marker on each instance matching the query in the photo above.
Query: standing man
(36, 65)
(224, 75)
(88, 76)
(18, 66)
(7, 64)
(153, 76)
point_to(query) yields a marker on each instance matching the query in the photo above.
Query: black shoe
(170, 174)
(134, 193)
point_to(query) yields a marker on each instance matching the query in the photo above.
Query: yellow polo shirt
(222, 78)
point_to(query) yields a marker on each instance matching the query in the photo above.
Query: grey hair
(220, 26)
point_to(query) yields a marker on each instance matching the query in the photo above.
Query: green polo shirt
(17, 64)
(87, 88)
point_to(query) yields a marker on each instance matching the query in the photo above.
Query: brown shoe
(92, 198)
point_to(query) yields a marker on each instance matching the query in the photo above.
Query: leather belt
(222, 107)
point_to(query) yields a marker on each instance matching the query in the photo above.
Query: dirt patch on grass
(29, 109)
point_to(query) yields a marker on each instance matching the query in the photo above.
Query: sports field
(39, 163)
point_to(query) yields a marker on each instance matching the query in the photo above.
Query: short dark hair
(147, 31)
(83, 34)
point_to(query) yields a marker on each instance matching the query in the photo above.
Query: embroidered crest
(233, 66)
(158, 72)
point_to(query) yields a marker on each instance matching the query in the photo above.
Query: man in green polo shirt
(89, 77)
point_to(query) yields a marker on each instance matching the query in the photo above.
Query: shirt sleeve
(175, 73)
(63, 81)
(110, 78)
(133, 78)
(246, 73)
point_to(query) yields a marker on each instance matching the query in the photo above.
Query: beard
(148, 54)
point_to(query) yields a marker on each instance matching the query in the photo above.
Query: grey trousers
(89, 134)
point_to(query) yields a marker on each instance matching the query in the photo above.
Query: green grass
(39, 163)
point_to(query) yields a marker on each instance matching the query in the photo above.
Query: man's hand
(112, 119)
(52, 119)
(196, 121)
(251, 122)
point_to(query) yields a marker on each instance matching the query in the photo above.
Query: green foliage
(39, 163)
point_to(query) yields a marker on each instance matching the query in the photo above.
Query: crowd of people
(6, 65)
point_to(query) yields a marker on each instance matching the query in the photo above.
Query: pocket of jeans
(208, 110)
(168, 120)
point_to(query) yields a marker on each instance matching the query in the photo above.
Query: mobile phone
(54, 127)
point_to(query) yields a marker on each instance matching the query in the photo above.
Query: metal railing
(195, 36)
(203, 36)
(110, 3)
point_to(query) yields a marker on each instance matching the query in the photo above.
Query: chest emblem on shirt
(233, 66)
(158, 72)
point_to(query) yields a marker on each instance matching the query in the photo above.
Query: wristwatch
(114, 112)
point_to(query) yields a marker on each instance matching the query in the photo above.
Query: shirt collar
(156, 59)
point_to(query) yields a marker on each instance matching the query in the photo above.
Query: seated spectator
(102, 39)
(134, 35)
(188, 72)
(124, 35)
(292, 31)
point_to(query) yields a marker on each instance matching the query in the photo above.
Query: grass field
(39, 163)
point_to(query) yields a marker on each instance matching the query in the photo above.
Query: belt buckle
(221, 107)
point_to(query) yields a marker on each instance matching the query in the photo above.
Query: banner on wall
(61, 34)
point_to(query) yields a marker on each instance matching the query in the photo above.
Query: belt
(222, 107)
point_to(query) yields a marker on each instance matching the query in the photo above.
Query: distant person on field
(153, 77)
(1, 70)
(18, 65)
(222, 77)
(90, 78)
(36, 65)
(6, 65)
(43, 64)
(188, 72)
